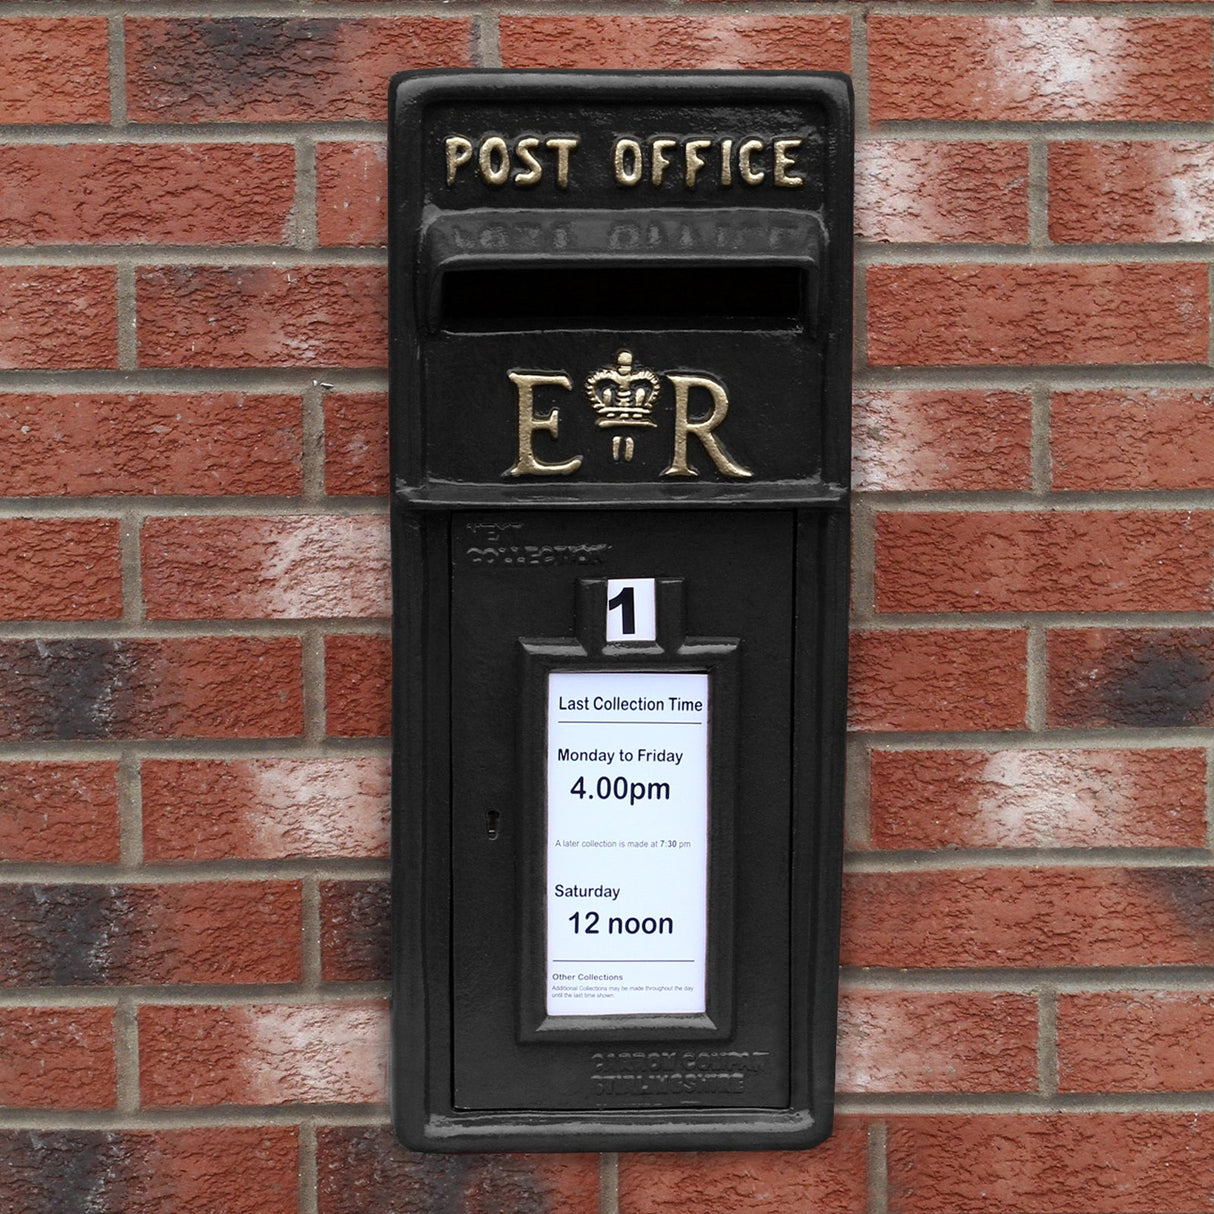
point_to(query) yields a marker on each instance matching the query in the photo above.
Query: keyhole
(491, 818)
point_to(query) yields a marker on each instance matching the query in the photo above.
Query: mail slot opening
(592, 297)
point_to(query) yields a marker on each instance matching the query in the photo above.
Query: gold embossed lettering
(459, 151)
(750, 174)
(727, 162)
(694, 161)
(534, 171)
(562, 145)
(626, 158)
(702, 428)
(660, 161)
(494, 160)
(783, 162)
(527, 463)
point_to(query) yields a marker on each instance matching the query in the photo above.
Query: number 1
(626, 602)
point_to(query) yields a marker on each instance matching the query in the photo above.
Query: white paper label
(627, 875)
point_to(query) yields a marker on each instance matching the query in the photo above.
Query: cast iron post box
(620, 327)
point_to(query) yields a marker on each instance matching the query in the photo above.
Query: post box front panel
(734, 585)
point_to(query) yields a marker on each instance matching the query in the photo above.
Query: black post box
(620, 326)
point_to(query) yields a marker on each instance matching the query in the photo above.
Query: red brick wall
(193, 610)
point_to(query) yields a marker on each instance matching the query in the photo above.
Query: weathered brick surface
(202, 443)
(969, 315)
(60, 569)
(136, 193)
(1039, 68)
(259, 316)
(58, 317)
(938, 679)
(352, 193)
(282, 566)
(59, 813)
(1106, 1163)
(274, 69)
(905, 440)
(1029, 917)
(1149, 191)
(914, 190)
(822, 43)
(61, 1058)
(199, 1170)
(1152, 560)
(1150, 438)
(831, 1177)
(917, 1041)
(1037, 798)
(353, 940)
(205, 687)
(55, 70)
(361, 1168)
(1135, 677)
(358, 682)
(356, 443)
(264, 809)
(1136, 1041)
(102, 935)
(263, 1054)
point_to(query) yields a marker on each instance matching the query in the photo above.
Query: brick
(358, 686)
(138, 193)
(1136, 1041)
(736, 41)
(352, 193)
(915, 439)
(1039, 69)
(993, 917)
(354, 944)
(60, 569)
(177, 687)
(105, 935)
(262, 316)
(1037, 798)
(959, 315)
(58, 318)
(59, 813)
(356, 443)
(1042, 1163)
(954, 679)
(264, 809)
(912, 191)
(831, 1177)
(55, 70)
(263, 1054)
(361, 1168)
(282, 566)
(58, 1058)
(203, 1170)
(919, 1041)
(1157, 191)
(1138, 677)
(274, 69)
(199, 444)
(1148, 438)
(1149, 560)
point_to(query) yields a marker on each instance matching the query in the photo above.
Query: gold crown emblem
(623, 395)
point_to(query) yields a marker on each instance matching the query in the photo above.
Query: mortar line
(306, 222)
(126, 1057)
(878, 1178)
(1036, 708)
(116, 46)
(130, 812)
(1047, 1041)
(857, 806)
(127, 314)
(486, 41)
(310, 932)
(308, 1168)
(609, 1183)
(1040, 440)
(1039, 194)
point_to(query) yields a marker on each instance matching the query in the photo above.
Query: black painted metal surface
(621, 317)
